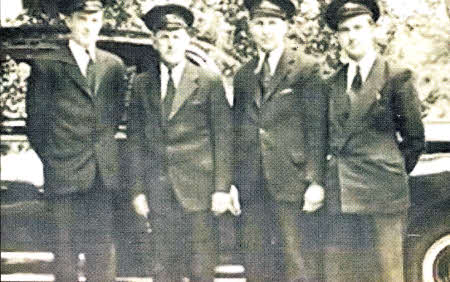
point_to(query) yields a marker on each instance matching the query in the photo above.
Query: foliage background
(413, 33)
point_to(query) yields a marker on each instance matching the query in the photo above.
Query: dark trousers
(279, 242)
(185, 244)
(83, 225)
(365, 248)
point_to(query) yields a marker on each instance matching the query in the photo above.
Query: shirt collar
(274, 59)
(177, 72)
(81, 56)
(365, 65)
(80, 51)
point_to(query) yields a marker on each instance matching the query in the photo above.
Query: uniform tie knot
(357, 80)
(170, 95)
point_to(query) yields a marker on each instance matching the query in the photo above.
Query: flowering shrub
(415, 36)
(26, 18)
(13, 88)
(122, 14)
(420, 43)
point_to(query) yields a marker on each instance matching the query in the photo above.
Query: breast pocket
(297, 158)
(381, 113)
(197, 107)
(198, 100)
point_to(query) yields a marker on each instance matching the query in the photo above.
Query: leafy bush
(416, 37)
(13, 88)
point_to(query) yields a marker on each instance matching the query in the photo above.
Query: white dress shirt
(274, 59)
(81, 55)
(177, 73)
(365, 65)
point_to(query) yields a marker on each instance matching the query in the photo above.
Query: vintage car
(428, 233)
(26, 228)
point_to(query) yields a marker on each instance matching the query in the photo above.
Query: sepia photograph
(225, 140)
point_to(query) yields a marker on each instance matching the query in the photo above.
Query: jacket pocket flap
(298, 157)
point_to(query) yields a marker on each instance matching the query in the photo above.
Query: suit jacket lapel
(188, 84)
(253, 84)
(367, 96)
(251, 97)
(283, 69)
(100, 70)
(340, 101)
(152, 89)
(73, 70)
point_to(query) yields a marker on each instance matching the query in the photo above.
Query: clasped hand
(222, 202)
(314, 198)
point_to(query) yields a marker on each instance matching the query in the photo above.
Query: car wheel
(428, 257)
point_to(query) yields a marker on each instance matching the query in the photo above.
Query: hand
(140, 205)
(235, 208)
(314, 198)
(221, 202)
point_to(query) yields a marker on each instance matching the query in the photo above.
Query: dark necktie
(266, 77)
(357, 80)
(170, 95)
(90, 73)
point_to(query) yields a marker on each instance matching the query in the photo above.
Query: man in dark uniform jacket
(280, 125)
(375, 138)
(180, 136)
(74, 104)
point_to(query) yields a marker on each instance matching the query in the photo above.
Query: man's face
(172, 45)
(85, 27)
(268, 32)
(356, 36)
